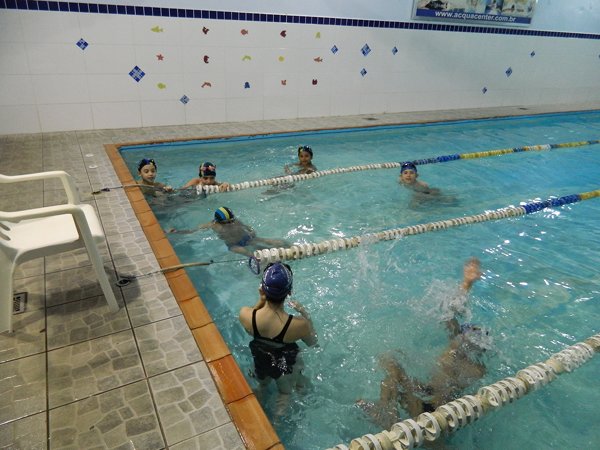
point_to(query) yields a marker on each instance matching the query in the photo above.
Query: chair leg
(102, 277)
(7, 268)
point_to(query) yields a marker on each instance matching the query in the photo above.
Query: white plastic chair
(32, 233)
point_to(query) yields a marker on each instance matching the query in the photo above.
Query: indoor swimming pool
(540, 289)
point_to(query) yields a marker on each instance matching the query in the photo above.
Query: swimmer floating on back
(457, 367)
(207, 176)
(147, 171)
(239, 237)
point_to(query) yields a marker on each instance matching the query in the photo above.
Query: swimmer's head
(224, 215)
(476, 337)
(408, 166)
(305, 148)
(277, 281)
(208, 169)
(146, 162)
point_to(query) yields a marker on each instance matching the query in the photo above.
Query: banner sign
(499, 12)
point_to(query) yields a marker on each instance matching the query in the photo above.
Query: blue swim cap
(408, 166)
(277, 281)
(224, 214)
(145, 162)
(305, 148)
(208, 169)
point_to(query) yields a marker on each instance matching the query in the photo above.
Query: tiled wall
(70, 66)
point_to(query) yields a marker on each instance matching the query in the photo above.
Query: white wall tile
(106, 58)
(11, 30)
(55, 58)
(314, 106)
(16, 90)
(50, 27)
(18, 119)
(156, 113)
(60, 88)
(243, 109)
(112, 88)
(143, 34)
(164, 87)
(112, 29)
(66, 117)
(345, 104)
(116, 115)
(206, 111)
(13, 57)
(280, 107)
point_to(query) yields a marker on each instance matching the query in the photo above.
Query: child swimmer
(207, 176)
(147, 171)
(304, 164)
(239, 237)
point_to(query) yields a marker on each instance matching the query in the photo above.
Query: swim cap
(277, 281)
(208, 169)
(145, 162)
(408, 166)
(476, 335)
(305, 148)
(224, 214)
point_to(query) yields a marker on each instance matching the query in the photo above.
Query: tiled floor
(156, 373)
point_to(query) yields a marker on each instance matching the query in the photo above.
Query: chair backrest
(65, 178)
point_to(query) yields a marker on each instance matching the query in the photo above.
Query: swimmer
(147, 171)
(207, 176)
(457, 368)
(408, 178)
(239, 237)
(304, 164)
(275, 333)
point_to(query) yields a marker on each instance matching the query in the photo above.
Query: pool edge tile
(229, 379)
(196, 317)
(253, 425)
(248, 416)
(211, 342)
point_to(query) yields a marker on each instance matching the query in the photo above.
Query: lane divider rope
(448, 418)
(287, 179)
(300, 251)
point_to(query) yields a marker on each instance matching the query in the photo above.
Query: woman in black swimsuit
(274, 348)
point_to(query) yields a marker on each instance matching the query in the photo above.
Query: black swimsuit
(272, 356)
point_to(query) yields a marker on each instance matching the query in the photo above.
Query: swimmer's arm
(310, 335)
(203, 226)
(192, 182)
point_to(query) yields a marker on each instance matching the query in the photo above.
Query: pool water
(540, 290)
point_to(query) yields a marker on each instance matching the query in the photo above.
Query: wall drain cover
(19, 302)
(370, 118)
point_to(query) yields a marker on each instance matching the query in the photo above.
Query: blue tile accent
(99, 8)
(363, 72)
(82, 44)
(137, 74)
(365, 50)
(508, 72)
(185, 99)
(334, 49)
(394, 50)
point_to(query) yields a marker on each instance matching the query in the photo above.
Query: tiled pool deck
(156, 374)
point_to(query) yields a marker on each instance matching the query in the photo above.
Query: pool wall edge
(247, 415)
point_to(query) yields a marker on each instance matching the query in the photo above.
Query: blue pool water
(540, 291)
